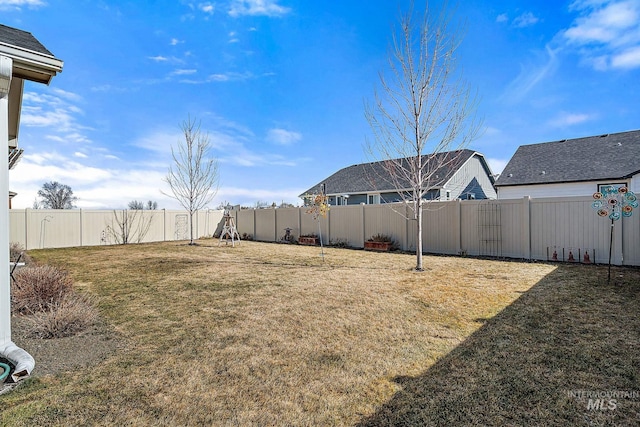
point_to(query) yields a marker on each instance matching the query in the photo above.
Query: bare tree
(424, 113)
(193, 178)
(54, 195)
(136, 205)
(129, 226)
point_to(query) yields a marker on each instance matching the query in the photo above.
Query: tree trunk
(191, 228)
(419, 237)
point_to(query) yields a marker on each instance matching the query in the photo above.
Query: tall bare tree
(424, 113)
(193, 178)
(54, 195)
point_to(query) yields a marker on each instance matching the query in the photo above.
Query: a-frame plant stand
(229, 230)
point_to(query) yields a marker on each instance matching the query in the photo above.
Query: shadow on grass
(537, 361)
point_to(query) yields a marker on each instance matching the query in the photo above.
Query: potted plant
(379, 242)
(308, 239)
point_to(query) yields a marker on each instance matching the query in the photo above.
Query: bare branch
(424, 113)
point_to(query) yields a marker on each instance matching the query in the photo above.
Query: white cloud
(629, 58)
(175, 42)
(18, 4)
(55, 113)
(527, 19)
(606, 33)
(565, 119)
(503, 17)
(226, 77)
(531, 75)
(207, 8)
(158, 58)
(257, 7)
(80, 155)
(183, 72)
(283, 136)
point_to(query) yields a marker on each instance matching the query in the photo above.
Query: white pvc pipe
(23, 361)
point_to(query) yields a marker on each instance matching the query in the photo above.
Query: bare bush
(15, 249)
(38, 288)
(73, 314)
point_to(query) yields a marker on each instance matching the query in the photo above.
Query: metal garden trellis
(615, 203)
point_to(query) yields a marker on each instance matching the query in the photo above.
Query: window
(342, 200)
(613, 184)
(373, 199)
(471, 196)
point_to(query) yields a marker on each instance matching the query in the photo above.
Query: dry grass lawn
(267, 334)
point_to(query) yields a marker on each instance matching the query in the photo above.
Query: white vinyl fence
(49, 228)
(531, 229)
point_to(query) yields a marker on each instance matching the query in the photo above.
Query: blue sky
(280, 86)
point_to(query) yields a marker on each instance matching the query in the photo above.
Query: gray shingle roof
(21, 39)
(370, 177)
(602, 157)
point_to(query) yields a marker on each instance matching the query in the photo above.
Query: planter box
(377, 246)
(304, 240)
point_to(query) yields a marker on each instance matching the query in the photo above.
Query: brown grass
(267, 334)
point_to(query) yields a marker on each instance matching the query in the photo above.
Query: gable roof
(370, 177)
(31, 60)
(603, 157)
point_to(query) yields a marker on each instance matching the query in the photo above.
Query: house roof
(31, 60)
(370, 177)
(601, 157)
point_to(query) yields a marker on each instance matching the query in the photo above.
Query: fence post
(526, 227)
(458, 224)
(26, 229)
(364, 229)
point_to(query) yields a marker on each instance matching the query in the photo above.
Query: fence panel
(265, 225)
(440, 227)
(245, 222)
(287, 218)
(520, 228)
(346, 225)
(570, 225)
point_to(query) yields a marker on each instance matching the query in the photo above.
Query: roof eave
(31, 65)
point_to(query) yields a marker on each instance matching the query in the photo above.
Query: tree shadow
(541, 361)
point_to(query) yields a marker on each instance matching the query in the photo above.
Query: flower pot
(306, 240)
(377, 246)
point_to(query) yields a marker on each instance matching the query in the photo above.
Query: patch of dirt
(52, 356)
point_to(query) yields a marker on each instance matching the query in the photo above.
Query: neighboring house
(468, 176)
(572, 167)
(22, 57)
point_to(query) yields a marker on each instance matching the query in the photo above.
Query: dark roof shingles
(22, 39)
(370, 177)
(602, 157)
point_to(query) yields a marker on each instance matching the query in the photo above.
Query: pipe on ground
(23, 361)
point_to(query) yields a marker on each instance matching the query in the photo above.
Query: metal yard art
(615, 203)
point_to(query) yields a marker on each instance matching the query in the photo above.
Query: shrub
(380, 238)
(38, 288)
(15, 249)
(66, 317)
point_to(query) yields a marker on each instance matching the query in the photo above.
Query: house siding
(635, 184)
(459, 184)
(567, 189)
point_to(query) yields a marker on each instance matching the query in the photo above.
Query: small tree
(193, 178)
(424, 113)
(129, 226)
(54, 195)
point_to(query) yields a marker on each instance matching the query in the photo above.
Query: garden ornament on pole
(615, 203)
(318, 206)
